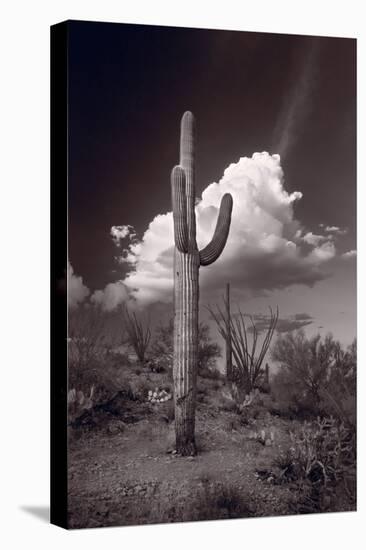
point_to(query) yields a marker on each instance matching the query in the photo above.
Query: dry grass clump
(322, 462)
(208, 500)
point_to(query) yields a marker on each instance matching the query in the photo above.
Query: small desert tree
(343, 372)
(306, 360)
(320, 371)
(138, 333)
(339, 393)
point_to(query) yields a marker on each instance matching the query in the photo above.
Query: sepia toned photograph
(211, 274)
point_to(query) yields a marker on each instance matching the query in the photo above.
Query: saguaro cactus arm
(187, 162)
(179, 203)
(212, 251)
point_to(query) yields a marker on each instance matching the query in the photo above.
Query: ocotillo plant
(187, 261)
(138, 335)
(228, 342)
(248, 357)
(266, 375)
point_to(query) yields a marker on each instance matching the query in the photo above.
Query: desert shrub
(227, 405)
(94, 369)
(290, 400)
(316, 377)
(325, 450)
(203, 500)
(93, 335)
(283, 395)
(322, 460)
(229, 500)
(78, 403)
(107, 378)
(305, 361)
(202, 387)
(104, 376)
(339, 394)
(157, 364)
(208, 351)
(251, 413)
(162, 349)
(120, 358)
(249, 406)
(217, 384)
(137, 389)
(210, 373)
(163, 380)
(216, 500)
(97, 384)
(286, 466)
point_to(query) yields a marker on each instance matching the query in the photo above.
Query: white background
(24, 271)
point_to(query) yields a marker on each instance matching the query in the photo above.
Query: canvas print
(211, 274)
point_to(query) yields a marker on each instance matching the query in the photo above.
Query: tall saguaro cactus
(187, 261)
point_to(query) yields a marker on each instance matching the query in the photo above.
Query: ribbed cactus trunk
(187, 261)
(185, 349)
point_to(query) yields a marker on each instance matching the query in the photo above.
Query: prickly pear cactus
(187, 261)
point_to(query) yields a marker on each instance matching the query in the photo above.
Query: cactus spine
(187, 261)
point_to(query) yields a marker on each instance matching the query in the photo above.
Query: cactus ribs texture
(187, 261)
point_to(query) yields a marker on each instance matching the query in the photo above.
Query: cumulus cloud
(350, 254)
(121, 232)
(313, 239)
(322, 253)
(111, 296)
(335, 230)
(77, 291)
(265, 250)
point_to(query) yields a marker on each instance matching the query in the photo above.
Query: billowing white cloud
(313, 239)
(77, 291)
(265, 249)
(322, 253)
(111, 296)
(121, 232)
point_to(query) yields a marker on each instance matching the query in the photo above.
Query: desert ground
(123, 469)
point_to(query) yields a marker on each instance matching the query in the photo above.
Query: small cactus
(78, 403)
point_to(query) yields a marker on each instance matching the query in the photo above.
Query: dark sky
(128, 88)
(130, 84)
